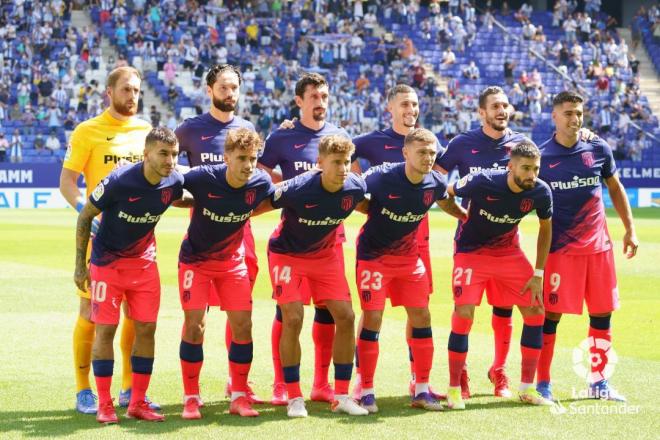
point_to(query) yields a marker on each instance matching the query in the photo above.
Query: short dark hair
(216, 70)
(309, 79)
(243, 139)
(526, 149)
(399, 88)
(567, 96)
(119, 72)
(160, 134)
(485, 93)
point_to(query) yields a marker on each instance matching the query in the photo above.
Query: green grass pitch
(38, 308)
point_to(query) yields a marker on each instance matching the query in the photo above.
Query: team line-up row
(217, 265)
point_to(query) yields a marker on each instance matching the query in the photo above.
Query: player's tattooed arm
(83, 231)
(186, 201)
(452, 208)
(535, 283)
(622, 206)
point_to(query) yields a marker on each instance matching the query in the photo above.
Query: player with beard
(202, 139)
(487, 256)
(386, 146)
(488, 147)
(295, 150)
(96, 146)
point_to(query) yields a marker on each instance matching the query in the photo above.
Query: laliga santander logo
(594, 359)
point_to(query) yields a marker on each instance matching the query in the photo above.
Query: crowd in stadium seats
(363, 47)
(45, 85)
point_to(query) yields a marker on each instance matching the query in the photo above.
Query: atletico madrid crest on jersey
(588, 159)
(526, 205)
(166, 196)
(347, 203)
(250, 196)
(428, 197)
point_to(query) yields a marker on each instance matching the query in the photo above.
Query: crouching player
(302, 250)
(389, 262)
(488, 257)
(212, 262)
(123, 264)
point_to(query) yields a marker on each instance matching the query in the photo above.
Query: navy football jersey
(216, 227)
(494, 212)
(131, 208)
(382, 146)
(396, 209)
(575, 176)
(203, 137)
(311, 215)
(474, 151)
(296, 150)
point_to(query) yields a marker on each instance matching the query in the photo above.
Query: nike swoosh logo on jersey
(296, 146)
(474, 151)
(393, 196)
(311, 206)
(206, 138)
(391, 147)
(552, 165)
(491, 199)
(134, 199)
(110, 138)
(214, 196)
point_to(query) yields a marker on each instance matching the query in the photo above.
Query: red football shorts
(299, 278)
(571, 280)
(140, 288)
(424, 249)
(226, 284)
(401, 279)
(502, 277)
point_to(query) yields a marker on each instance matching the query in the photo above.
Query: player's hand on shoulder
(288, 124)
(587, 135)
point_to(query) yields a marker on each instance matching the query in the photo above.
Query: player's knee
(293, 320)
(536, 310)
(344, 316)
(145, 330)
(195, 331)
(465, 311)
(242, 329)
(372, 320)
(105, 334)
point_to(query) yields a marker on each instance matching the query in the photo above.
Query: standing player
(202, 139)
(212, 261)
(295, 151)
(303, 250)
(487, 147)
(580, 266)
(386, 146)
(96, 146)
(123, 264)
(488, 257)
(389, 263)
